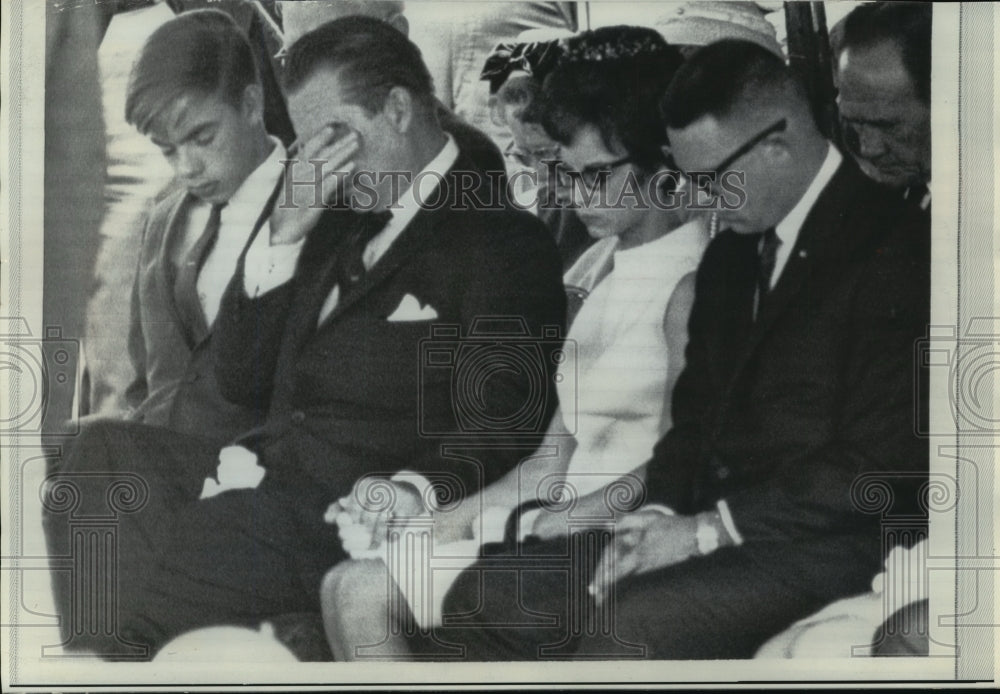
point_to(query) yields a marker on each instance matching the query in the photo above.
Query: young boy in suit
(195, 92)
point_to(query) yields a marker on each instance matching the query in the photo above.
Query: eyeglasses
(778, 127)
(741, 151)
(591, 174)
(531, 158)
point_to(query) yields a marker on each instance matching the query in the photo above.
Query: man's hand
(644, 541)
(292, 219)
(362, 517)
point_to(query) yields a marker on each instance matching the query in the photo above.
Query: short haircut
(200, 52)
(722, 77)
(374, 56)
(907, 24)
(611, 78)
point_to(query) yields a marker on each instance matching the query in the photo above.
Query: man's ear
(399, 109)
(253, 103)
(400, 23)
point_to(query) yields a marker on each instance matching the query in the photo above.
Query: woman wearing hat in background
(515, 72)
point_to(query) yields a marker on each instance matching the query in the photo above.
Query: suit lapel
(198, 331)
(817, 241)
(417, 235)
(165, 270)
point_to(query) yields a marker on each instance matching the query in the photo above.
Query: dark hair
(612, 78)
(201, 51)
(907, 24)
(720, 77)
(375, 57)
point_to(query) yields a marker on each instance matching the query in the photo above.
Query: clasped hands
(643, 541)
(362, 517)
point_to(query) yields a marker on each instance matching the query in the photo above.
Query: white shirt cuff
(268, 267)
(727, 520)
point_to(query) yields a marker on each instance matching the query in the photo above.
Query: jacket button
(722, 472)
(298, 416)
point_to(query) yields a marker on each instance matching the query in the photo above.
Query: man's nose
(189, 164)
(564, 189)
(871, 142)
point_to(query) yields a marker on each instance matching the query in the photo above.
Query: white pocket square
(409, 310)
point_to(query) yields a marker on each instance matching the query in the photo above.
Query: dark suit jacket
(481, 151)
(785, 417)
(359, 393)
(174, 384)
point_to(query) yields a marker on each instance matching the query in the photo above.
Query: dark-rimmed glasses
(724, 165)
(591, 173)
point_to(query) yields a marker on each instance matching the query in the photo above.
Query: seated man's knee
(93, 436)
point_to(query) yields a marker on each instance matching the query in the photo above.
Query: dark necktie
(768, 255)
(349, 270)
(186, 285)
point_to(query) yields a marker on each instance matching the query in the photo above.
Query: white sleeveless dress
(612, 386)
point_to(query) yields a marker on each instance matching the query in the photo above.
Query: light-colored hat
(693, 23)
(702, 23)
(543, 34)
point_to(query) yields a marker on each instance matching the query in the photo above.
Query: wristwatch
(707, 535)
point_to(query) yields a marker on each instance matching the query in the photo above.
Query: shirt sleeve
(268, 267)
(728, 522)
(724, 514)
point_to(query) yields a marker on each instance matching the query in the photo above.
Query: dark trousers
(239, 558)
(109, 509)
(723, 605)
(179, 563)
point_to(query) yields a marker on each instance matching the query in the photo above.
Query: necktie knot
(351, 267)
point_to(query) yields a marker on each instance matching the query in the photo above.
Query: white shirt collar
(925, 200)
(248, 200)
(410, 201)
(427, 180)
(788, 228)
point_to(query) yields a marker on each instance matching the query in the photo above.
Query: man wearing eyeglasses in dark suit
(797, 399)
